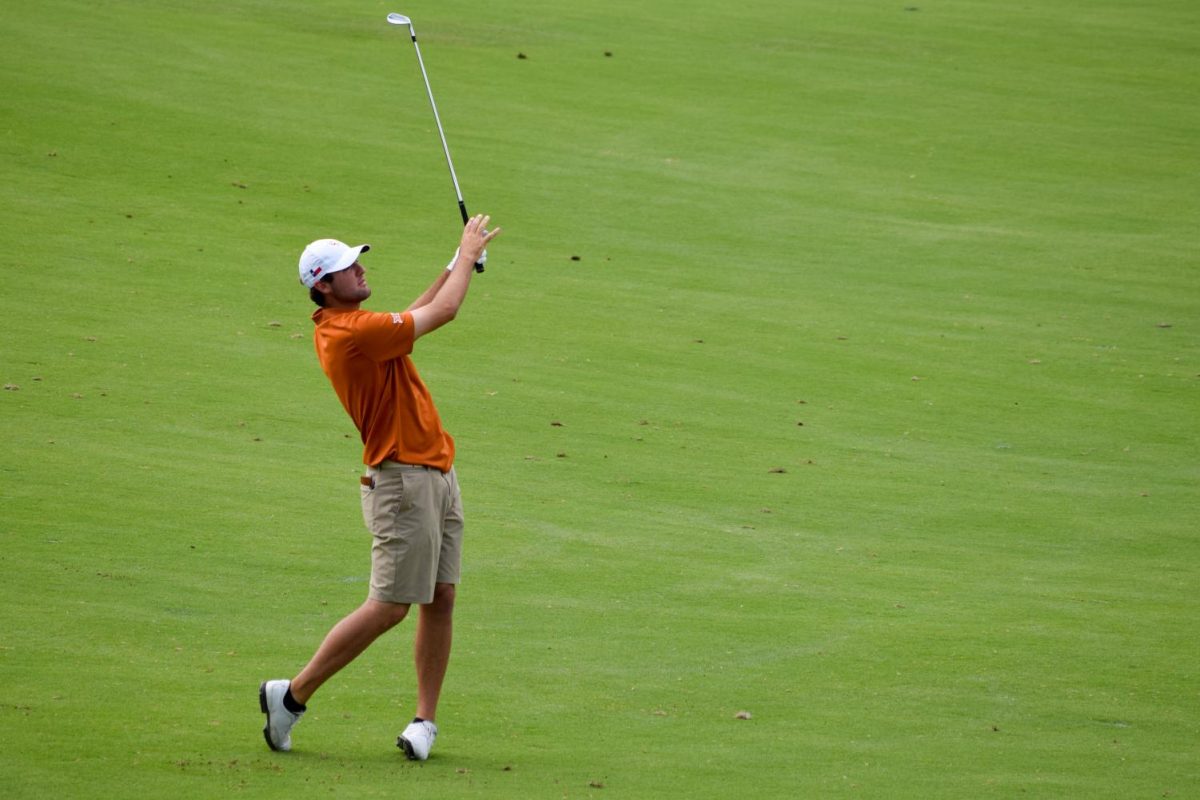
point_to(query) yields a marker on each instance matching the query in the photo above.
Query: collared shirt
(365, 354)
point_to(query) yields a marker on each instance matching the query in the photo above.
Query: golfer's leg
(431, 648)
(344, 642)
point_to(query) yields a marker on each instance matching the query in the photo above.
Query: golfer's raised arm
(443, 306)
(432, 291)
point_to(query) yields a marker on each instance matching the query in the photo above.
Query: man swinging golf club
(410, 494)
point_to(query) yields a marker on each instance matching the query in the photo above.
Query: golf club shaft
(462, 206)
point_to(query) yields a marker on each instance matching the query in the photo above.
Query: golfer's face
(350, 285)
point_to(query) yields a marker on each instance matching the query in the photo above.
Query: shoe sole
(262, 703)
(406, 746)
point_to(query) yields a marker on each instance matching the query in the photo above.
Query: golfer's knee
(443, 598)
(387, 615)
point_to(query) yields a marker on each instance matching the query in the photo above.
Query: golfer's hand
(475, 239)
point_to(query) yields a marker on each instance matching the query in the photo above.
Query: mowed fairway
(839, 367)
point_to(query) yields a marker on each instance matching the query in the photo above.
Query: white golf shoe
(417, 740)
(278, 730)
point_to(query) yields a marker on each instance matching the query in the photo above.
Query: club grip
(462, 208)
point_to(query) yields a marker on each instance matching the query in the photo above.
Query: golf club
(400, 19)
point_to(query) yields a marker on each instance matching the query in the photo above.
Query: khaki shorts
(415, 516)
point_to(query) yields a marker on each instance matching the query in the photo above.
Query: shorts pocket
(383, 502)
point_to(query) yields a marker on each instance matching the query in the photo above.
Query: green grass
(875, 385)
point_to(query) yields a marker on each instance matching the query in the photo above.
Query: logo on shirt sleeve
(397, 318)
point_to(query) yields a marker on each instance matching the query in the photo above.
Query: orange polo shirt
(365, 354)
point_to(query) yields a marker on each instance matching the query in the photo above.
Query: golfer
(410, 495)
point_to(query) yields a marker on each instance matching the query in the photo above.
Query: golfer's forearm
(430, 293)
(450, 295)
(444, 306)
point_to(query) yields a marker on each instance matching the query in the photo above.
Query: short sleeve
(384, 336)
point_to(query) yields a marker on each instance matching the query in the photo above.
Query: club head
(399, 19)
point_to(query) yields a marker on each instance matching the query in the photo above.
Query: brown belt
(382, 465)
(369, 479)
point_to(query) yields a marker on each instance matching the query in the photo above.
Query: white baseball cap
(326, 256)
